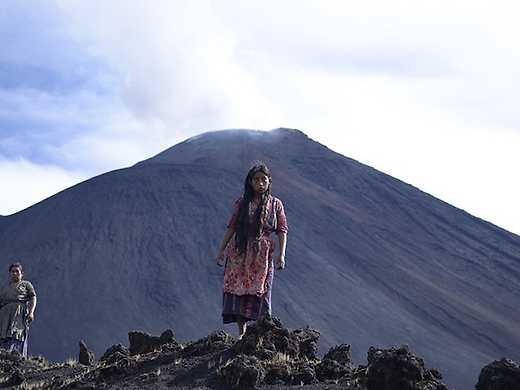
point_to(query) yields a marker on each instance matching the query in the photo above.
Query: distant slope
(371, 260)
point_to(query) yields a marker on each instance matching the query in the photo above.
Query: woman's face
(15, 274)
(260, 182)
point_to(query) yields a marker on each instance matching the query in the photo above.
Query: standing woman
(17, 304)
(247, 249)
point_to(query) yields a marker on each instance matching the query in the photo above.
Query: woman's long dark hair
(244, 229)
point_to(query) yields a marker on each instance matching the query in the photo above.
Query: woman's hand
(221, 258)
(30, 317)
(280, 261)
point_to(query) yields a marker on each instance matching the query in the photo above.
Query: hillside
(370, 260)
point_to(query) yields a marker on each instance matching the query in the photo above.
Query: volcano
(371, 260)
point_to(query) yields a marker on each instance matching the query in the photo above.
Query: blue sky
(424, 91)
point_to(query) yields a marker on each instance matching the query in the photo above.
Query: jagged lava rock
(114, 353)
(271, 356)
(502, 374)
(243, 372)
(216, 341)
(283, 357)
(268, 336)
(398, 369)
(141, 342)
(86, 357)
(335, 364)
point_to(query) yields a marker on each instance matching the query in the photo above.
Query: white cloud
(175, 61)
(24, 183)
(204, 65)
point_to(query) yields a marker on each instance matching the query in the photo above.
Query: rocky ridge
(269, 356)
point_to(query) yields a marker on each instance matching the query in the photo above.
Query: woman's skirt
(247, 307)
(11, 344)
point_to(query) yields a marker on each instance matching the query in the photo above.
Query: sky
(425, 91)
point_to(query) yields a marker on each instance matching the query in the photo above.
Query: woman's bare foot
(242, 326)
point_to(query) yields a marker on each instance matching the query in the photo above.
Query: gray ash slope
(370, 261)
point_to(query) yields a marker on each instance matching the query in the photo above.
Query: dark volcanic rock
(86, 357)
(141, 342)
(335, 364)
(114, 353)
(283, 357)
(502, 374)
(305, 374)
(114, 371)
(268, 337)
(278, 374)
(398, 369)
(217, 341)
(243, 372)
(341, 354)
(331, 369)
(14, 378)
(214, 362)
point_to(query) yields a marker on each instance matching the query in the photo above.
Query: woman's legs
(11, 344)
(242, 326)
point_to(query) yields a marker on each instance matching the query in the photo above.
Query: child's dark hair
(16, 265)
(243, 228)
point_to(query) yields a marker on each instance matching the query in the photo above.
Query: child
(247, 249)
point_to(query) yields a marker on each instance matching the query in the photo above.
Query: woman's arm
(281, 230)
(231, 226)
(31, 301)
(282, 240)
(31, 305)
(227, 236)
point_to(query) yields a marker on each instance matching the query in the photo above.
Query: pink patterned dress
(248, 277)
